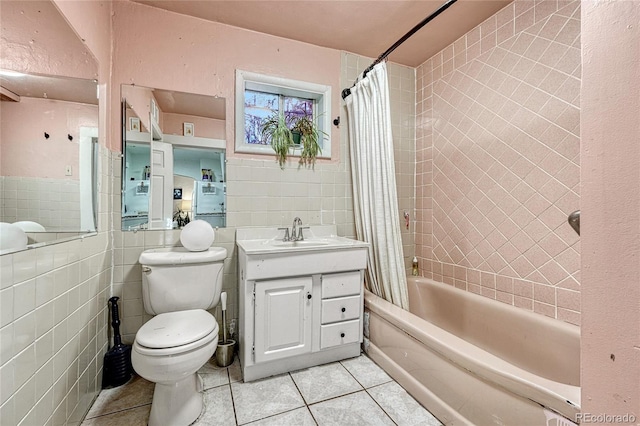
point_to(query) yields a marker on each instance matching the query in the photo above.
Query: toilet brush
(117, 361)
(225, 349)
(223, 300)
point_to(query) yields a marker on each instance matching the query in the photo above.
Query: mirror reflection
(174, 159)
(49, 134)
(48, 128)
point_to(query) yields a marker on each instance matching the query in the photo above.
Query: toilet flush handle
(146, 269)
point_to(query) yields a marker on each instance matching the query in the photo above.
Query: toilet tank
(175, 279)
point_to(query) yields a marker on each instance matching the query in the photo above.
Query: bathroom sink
(270, 240)
(304, 243)
(263, 254)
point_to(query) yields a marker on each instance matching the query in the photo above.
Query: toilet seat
(176, 332)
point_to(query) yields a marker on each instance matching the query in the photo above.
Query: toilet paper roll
(197, 236)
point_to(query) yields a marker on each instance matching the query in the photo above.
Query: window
(258, 96)
(260, 105)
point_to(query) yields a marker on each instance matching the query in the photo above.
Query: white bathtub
(473, 360)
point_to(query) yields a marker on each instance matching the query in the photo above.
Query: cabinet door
(282, 318)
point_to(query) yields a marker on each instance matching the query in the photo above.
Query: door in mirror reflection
(174, 159)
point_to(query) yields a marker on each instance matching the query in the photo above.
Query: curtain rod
(346, 92)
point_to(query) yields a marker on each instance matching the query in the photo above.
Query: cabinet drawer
(336, 285)
(341, 309)
(339, 333)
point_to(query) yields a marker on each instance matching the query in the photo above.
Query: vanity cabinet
(283, 312)
(298, 308)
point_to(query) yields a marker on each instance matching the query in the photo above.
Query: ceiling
(190, 104)
(363, 27)
(50, 87)
(38, 42)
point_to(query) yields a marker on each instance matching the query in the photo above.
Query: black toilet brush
(117, 361)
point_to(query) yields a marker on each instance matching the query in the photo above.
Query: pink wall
(32, 31)
(26, 152)
(177, 52)
(498, 159)
(92, 23)
(610, 156)
(203, 127)
(139, 99)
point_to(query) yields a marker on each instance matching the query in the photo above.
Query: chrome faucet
(296, 231)
(286, 234)
(297, 226)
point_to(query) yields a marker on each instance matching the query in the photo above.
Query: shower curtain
(374, 185)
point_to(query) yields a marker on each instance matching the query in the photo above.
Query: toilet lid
(176, 329)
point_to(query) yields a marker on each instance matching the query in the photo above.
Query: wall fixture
(69, 137)
(336, 121)
(46, 135)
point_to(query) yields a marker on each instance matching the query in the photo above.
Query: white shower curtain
(374, 185)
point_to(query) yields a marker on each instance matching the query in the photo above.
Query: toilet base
(177, 403)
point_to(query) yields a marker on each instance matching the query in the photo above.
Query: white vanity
(301, 302)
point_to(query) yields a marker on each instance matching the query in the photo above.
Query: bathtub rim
(559, 397)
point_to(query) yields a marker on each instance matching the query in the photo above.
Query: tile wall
(53, 203)
(259, 193)
(402, 94)
(498, 167)
(53, 325)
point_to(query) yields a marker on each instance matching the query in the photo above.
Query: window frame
(320, 93)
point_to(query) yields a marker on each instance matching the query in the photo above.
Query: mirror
(173, 170)
(49, 127)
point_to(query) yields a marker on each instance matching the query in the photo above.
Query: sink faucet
(297, 226)
(296, 231)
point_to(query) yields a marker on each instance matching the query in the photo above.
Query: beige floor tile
(354, 409)
(324, 381)
(235, 372)
(134, 393)
(401, 407)
(277, 401)
(366, 372)
(212, 375)
(264, 398)
(218, 408)
(297, 417)
(138, 416)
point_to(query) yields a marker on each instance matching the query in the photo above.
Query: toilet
(178, 286)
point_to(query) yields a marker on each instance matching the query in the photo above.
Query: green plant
(309, 135)
(275, 130)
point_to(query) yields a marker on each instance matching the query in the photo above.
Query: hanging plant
(287, 132)
(309, 135)
(275, 130)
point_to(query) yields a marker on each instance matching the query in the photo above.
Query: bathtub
(473, 360)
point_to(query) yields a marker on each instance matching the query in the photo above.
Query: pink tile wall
(498, 167)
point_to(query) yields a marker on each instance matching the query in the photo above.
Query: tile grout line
(383, 410)
(116, 412)
(233, 401)
(366, 390)
(391, 380)
(303, 399)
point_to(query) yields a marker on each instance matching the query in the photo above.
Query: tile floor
(351, 392)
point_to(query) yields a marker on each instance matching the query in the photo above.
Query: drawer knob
(308, 295)
(341, 334)
(344, 309)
